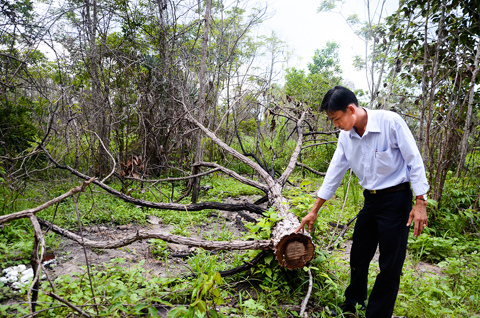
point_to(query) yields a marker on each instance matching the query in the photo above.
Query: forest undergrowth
(449, 244)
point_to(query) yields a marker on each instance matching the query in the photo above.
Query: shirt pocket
(384, 163)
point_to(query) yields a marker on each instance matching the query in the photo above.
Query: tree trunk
(421, 136)
(292, 250)
(466, 129)
(201, 102)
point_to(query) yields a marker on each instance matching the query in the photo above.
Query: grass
(452, 291)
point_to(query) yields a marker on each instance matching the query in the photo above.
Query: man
(380, 149)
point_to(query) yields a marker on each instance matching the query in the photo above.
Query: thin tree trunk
(466, 129)
(420, 136)
(201, 102)
(434, 79)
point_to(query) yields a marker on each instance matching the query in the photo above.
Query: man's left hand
(419, 214)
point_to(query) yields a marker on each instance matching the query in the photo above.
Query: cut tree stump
(294, 250)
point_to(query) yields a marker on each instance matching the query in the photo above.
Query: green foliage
(308, 88)
(224, 187)
(455, 214)
(159, 248)
(16, 243)
(2, 172)
(206, 295)
(326, 60)
(16, 124)
(432, 249)
(451, 293)
(262, 230)
(248, 127)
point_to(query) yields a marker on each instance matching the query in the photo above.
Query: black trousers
(382, 222)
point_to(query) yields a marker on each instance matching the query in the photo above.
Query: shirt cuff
(325, 194)
(420, 188)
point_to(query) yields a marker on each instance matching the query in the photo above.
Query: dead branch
(40, 311)
(307, 297)
(162, 206)
(292, 250)
(235, 175)
(36, 262)
(109, 154)
(255, 166)
(154, 181)
(246, 266)
(294, 158)
(319, 144)
(142, 235)
(343, 208)
(20, 157)
(310, 169)
(87, 262)
(69, 304)
(28, 212)
(321, 133)
(343, 231)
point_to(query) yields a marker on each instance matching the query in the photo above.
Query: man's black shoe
(348, 309)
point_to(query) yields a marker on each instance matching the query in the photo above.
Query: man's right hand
(311, 217)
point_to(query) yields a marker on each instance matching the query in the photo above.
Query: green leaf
(118, 293)
(268, 259)
(153, 311)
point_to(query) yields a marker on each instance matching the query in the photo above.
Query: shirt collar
(372, 124)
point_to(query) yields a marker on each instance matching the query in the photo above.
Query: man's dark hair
(338, 98)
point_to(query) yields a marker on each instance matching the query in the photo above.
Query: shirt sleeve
(335, 172)
(408, 148)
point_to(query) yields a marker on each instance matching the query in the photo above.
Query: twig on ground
(85, 252)
(69, 304)
(33, 314)
(307, 297)
(341, 213)
(343, 231)
(36, 262)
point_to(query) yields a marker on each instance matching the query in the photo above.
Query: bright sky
(299, 24)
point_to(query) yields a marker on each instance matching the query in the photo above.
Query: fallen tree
(292, 250)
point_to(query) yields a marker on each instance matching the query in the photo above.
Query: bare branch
(293, 159)
(309, 292)
(319, 144)
(227, 148)
(27, 213)
(154, 181)
(162, 206)
(310, 169)
(108, 152)
(235, 175)
(69, 304)
(36, 262)
(20, 157)
(167, 237)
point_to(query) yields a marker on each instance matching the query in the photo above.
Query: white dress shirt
(386, 155)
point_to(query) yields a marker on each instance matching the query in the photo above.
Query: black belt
(398, 187)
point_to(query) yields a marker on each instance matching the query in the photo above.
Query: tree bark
(167, 237)
(201, 102)
(468, 120)
(292, 250)
(421, 135)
